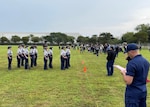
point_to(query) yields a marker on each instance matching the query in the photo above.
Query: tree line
(141, 35)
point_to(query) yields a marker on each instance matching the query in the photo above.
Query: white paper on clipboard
(122, 69)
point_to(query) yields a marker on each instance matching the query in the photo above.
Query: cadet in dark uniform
(19, 53)
(9, 55)
(50, 54)
(45, 58)
(26, 55)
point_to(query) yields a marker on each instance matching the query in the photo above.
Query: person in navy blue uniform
(110, 61)
(9, 56)
(135, 77)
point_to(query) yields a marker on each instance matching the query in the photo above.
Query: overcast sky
(86, 17)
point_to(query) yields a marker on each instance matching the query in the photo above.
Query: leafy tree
(144, 28)
(141, 37)
(48, 38)
(58, 37)
(70, 39)
(35, 39)
(128, 37)
(115, 41)
(4, 39)
(87, 39)
(93, 39)
(105, 37)
(15, 39)
(25, 39)
(81, 39)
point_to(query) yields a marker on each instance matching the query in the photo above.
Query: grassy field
(67, 88)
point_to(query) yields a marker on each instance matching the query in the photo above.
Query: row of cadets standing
(9, 56)
(20, 55)
(23, 54)
(65, 58)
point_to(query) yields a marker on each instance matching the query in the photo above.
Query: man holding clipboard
(135, 75)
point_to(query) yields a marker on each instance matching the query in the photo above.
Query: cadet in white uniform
(50, 54)
(63, 58)
(36, 55)
(32, 53)
(22, 55)
(9, 55)
(68, 52)
(26, 55)
(19, 54)
(45, 58)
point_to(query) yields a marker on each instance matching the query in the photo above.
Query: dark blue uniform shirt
(138, 67)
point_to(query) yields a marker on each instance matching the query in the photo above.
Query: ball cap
(132, 46)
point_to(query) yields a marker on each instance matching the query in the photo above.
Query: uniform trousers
(138, 100)
(32, 60)
(22, 60)
(9, 62)
(18, 61)
(45, 63)
(110, 68)
(35, 60)
(68, 56)
(50, 61)
(62, 63)
(26, 62)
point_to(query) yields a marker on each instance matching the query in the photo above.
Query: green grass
(69, 88)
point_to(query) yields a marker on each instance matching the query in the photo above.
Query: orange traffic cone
(84, 69)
